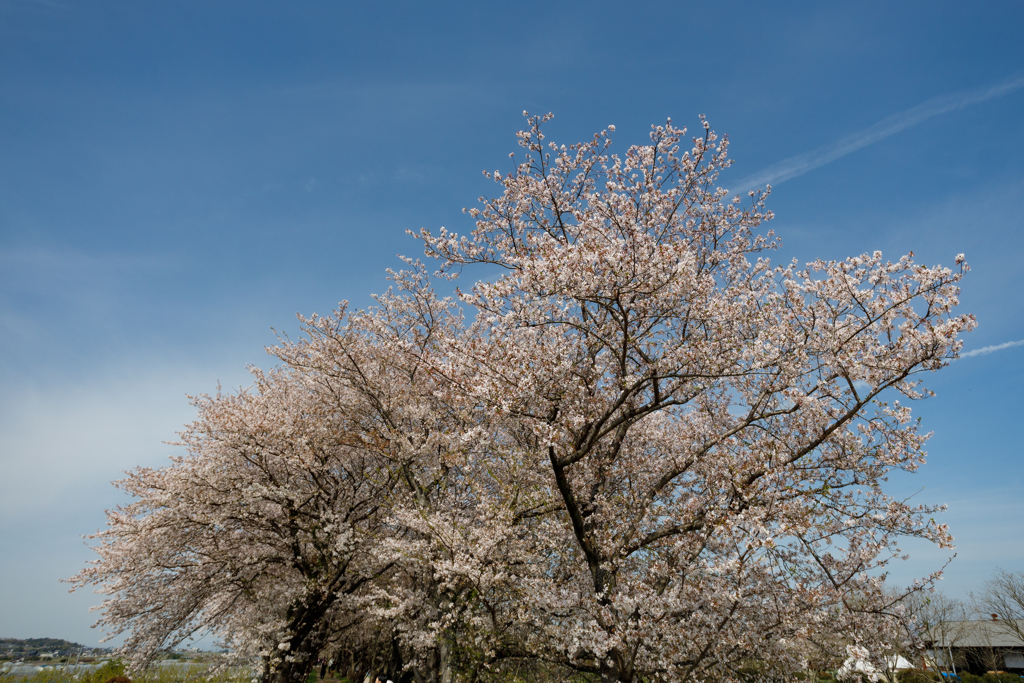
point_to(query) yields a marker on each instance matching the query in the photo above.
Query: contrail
(989, 349)
(802, 163)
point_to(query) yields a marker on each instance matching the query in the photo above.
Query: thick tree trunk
(306, 640)
(618, 670)
(292, 672)
(613, 675)
(439, 665)
(303, 653)
(396, 665)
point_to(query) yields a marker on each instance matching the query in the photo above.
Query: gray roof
(982, 633)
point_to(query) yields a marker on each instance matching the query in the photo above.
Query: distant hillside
(13, 648)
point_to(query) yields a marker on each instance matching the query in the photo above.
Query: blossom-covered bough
(258, 535)
(649, 455)
(711, 427)
(456, 536)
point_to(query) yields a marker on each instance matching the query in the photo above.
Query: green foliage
(917, 676)
(185, 673)
(991, 678)
(115, 667)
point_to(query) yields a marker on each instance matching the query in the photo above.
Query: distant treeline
(14, 648)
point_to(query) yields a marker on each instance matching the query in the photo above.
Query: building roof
(981, 633)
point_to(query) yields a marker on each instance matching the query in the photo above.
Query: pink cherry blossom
(641, 451)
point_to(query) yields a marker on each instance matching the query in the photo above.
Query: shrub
(918, 676)
(102, 674)
(194, 673)
(991, 678)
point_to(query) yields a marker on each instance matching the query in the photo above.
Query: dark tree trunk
(308, 637)
(618, 670)
(613, 675)
(305, 646)
(396, 664)
(292, 672)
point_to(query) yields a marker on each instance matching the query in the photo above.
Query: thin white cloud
(802, 163)
(991, 349)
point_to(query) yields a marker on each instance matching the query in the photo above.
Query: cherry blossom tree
(259, 535)
(714, 430)
(651, 454)
(456, 537)
(339, 506)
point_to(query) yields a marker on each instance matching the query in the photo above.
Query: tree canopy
(641, 451)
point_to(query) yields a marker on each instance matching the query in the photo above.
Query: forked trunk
(617, 671)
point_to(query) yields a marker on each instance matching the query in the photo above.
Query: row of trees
(14, 648)
(645, 453)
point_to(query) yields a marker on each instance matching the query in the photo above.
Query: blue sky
(177, 179)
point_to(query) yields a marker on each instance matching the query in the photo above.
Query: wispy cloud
(802, 163)
(992, 349)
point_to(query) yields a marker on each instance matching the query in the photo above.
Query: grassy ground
(178, 673)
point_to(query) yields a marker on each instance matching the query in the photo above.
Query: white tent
(898, 663)
(854, 667)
